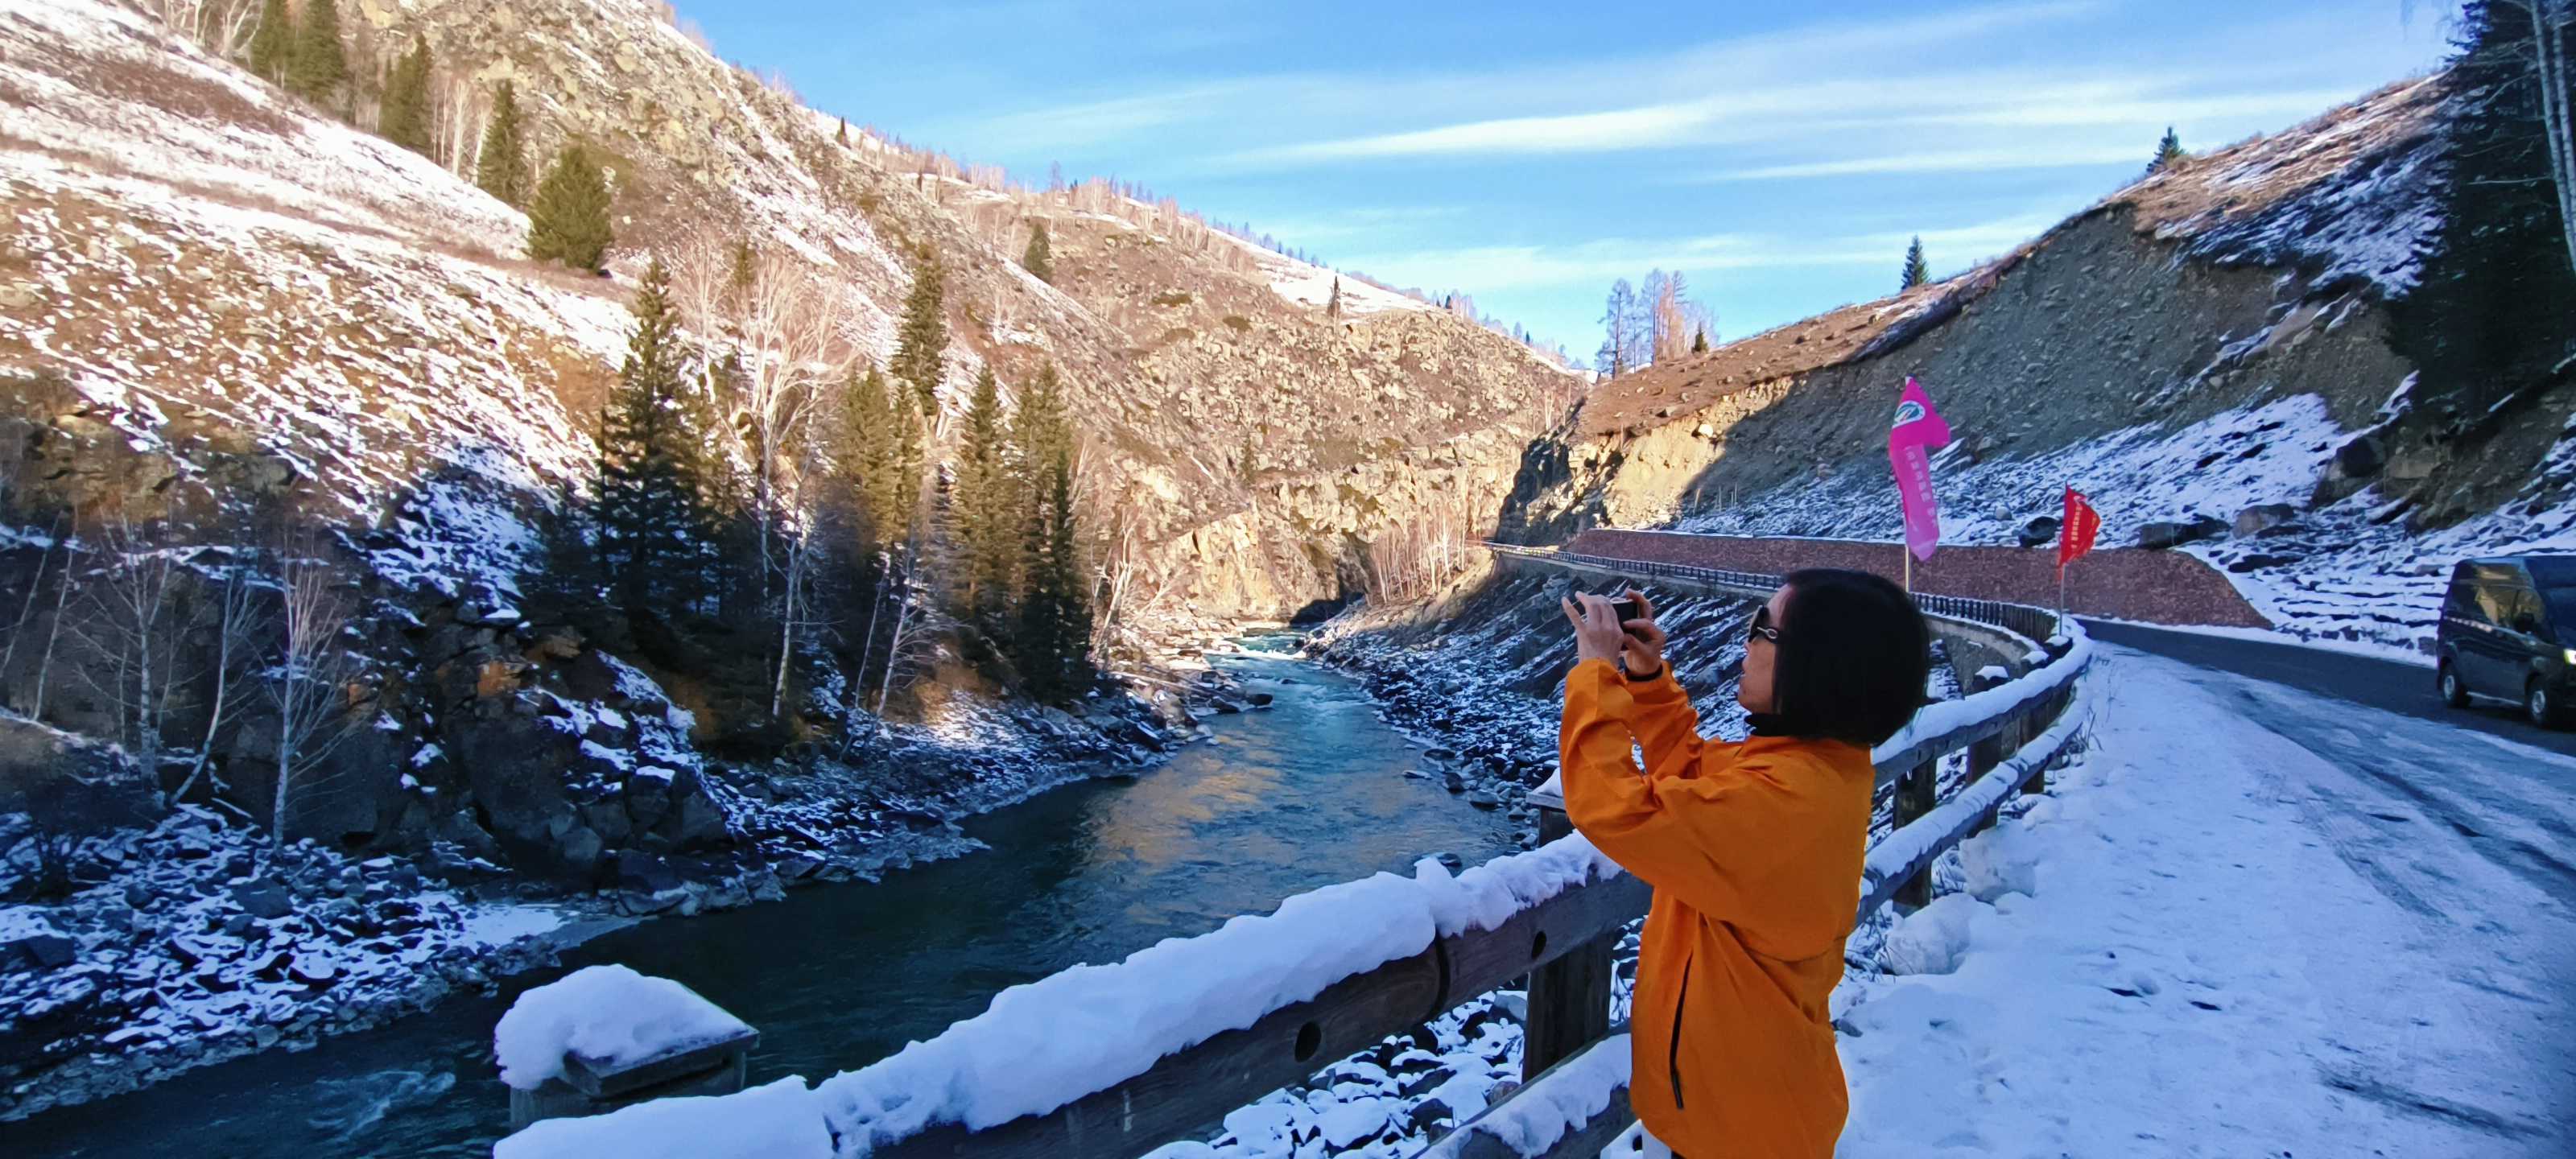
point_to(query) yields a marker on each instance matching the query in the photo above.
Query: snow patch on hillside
(2351, 570)
(74, 68)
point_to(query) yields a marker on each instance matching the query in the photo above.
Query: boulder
(695, 819)
(2263, 517)
(1259, 699)
(263, 901)
(42, 949)
(648, 796)
(579, 850)
(645, 873)
(1484, 800)
(1450, 780)
(2168, 534)
(2361, 458)
(2039, 532)
(2259, 560)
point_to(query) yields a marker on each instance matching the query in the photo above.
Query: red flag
(2075, 531)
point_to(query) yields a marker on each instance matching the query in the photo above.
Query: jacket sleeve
(1711, 838)
(1666, 726)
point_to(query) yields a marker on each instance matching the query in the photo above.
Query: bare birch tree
(2549, 21)
(134, 621)
(236, 624)
(308, 686)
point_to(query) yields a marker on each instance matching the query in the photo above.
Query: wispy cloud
(1593, 263)
(1953, 161)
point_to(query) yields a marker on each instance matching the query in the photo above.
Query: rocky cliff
(2208, 343)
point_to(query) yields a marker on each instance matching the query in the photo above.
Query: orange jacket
(1755, 854)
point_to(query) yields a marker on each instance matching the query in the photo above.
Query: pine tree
(1699, 343)
(1054, 637)
(320, 65)
(568, 219)
(502, 168)
(405, 117)
(1917, 271)
(652, 514)
(923, 335)
(842, 138)
(2168, 151)
(2489, 318)
(985, 505)
(272, 45)
(1039, 259)
(1333, 305)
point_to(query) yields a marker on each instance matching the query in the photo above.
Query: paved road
(2386, 685)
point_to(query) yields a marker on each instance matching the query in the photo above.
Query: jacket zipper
(1673, 1053)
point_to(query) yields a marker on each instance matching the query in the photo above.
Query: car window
(2498, 603)
(2462, 600)
(2561, 605)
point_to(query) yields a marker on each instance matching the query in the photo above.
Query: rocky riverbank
(150, 950)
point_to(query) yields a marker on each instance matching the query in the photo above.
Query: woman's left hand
(1597, 633)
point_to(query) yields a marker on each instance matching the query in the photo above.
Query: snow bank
(1566, 1098)
(1934, 939)
(608, 1013)
(770, 1122)
(2000, 861)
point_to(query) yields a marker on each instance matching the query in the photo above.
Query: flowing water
(1304, 794)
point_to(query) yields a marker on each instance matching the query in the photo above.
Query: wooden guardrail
(1562, 944)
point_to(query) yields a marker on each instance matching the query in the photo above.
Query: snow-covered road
(2264, 922)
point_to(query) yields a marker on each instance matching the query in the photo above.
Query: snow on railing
(1041, 1048)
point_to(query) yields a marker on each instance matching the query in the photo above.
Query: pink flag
(1917, 428)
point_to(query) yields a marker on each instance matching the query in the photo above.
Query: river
(1304, 794)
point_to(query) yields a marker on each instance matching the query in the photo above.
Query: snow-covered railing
(1116, 1060)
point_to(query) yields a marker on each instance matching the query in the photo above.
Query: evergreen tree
(652, 514)
(320, 65)
(1333, 305)
(2168, 151)
(986, 507)
(923, 335)
(1699, 342)
(568, 219)
(2489, 318)
(1917, 271)
(272, 44)
(1039, 259)
(842, 138)
(1054, 637)
(502, 168)
(405, 117)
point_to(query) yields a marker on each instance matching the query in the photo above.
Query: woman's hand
(1597, 634)
(1642, 647)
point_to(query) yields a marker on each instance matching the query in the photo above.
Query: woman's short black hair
(1853, 655)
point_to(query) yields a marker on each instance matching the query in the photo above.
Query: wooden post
(1984, 755)
(1569, 998)
(1916, 793)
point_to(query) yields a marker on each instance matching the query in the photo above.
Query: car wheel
(2543, 707)
(2454, 693)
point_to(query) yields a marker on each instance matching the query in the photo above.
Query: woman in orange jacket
(1754, 849)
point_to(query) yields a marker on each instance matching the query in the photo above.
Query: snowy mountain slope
(2213, 337)
(1184, 346)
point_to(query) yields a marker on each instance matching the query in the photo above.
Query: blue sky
(1529, 153)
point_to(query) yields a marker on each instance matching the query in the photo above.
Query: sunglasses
(1761, 626)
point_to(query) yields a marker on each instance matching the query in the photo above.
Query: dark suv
(2509, 633)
